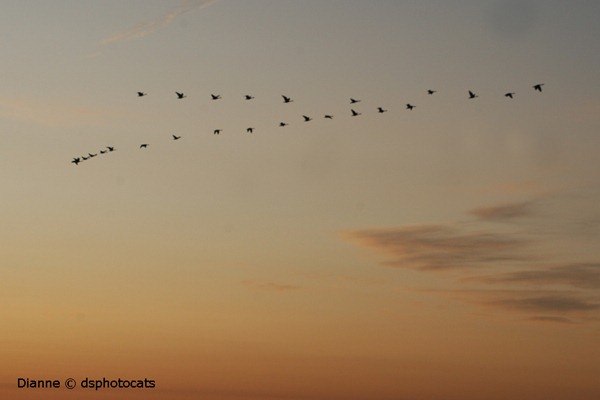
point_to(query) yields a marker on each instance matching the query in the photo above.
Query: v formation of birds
(286, 99)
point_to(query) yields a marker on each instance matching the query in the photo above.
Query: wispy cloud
(442, 247)
(504, 212)
(146, 28)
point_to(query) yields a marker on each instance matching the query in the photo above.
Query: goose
(509, 95)
(352, 101)
(409, 106)
(176, 137)
(429, 91)
(141, 94)
(216, 131)
(283, 124)
(354, 113)
(143, 145)
(249, 130)
(92, 155)
(248, 97)
(110, 148)
(76, 160)
(215, 96)
(538, 87)
(472, 95)
(180, 95)
(306, 118)
(286, 99)
(102, 151)
(380, 110)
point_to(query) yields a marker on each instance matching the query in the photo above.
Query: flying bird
(141, 94)
(328, 116)
(84, 158)
(216, 131)
(76, 160)
(283, 124)
(92, 155)
(248, 97)
(429, 91)
(180, 95)
(249, 130)
(102, 151)
(110, 148)
(538, 87)
(215, 96)
(176, 137)
(286, 99)
(306, 118)
(352, 101)
(409, 106)
(509, 95)
(354, 113)
(380, 110)
(472, 95)
(143, 145)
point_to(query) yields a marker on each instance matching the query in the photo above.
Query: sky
(444, 252)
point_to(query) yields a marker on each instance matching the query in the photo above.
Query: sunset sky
(447, 252)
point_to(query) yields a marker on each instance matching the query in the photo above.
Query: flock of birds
(286, 99)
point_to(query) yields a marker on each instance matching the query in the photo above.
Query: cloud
(504, 212)
(560, 303)
(582, 275)
(442, 247)
(146, 28)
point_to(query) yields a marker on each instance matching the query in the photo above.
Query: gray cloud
(582, 275)
(438, 247)
(504, 212)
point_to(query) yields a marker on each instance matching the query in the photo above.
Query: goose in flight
(92, 155)
(180, 95)
(216, 131)
(215, 96)
(380, 110)
(84, 158)
(248, 97)
(353, 101)
(143, 145)
(286, 99)
(249, 130)
(354, 113)
(141, 94)
(472, 95)
(306, 118)
(409, 106)
(283, 124)
(110, 148)
(509, 95)
(76, 160)
(429, 91)
(538, 87)
(102, 151)
(176, 137)
(328, 116)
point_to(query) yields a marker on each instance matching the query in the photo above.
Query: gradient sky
(448, 252)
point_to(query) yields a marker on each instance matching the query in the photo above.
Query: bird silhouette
(216, 131)
(249, 130)
(92, 155)
(176, 137)
(180, 95)
(352, 101)
(141, 94)
(328, 116)
(248, 97)
(102, 151)
(380, 110)
(472, 95)
(84, 158)
(509, 95)
(429, 91)
(110, 148)
(283, 124)
(409, 106)
(76, 160)
(354, 113)
(286, 99)
(143, 145)
(215, 96)
(538, 87)
(306, 118)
